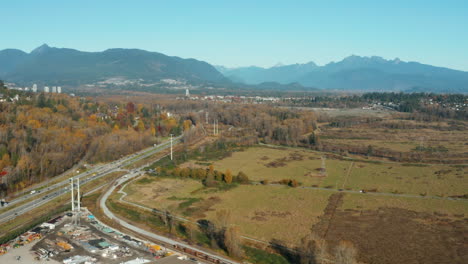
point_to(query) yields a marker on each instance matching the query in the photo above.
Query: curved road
(136, 229)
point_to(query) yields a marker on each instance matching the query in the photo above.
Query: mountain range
(69, 66)
(357, 73)
(49, 65)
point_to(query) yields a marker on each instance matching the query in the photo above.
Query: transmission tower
(78, 213)
(76, 210)
(323, 170)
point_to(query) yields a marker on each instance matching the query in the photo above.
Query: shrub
(242, 178)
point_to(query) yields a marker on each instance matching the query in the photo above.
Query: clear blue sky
(242, 33)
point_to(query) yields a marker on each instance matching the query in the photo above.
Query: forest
(43, 135)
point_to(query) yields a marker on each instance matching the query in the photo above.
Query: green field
(254, 162)
(433, 180)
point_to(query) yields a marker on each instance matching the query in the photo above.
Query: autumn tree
(187, 124)
(153, 130)
(232, 241)
(130, 107)
(314, 139)
(141, 126)
(345, 253)
(191, 230)
(209, 181)
(228, 176)
(169, 220)
(5, 161)
(312, 250)
(242, 178)
(218, 175)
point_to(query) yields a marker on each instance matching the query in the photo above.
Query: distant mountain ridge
(358, 73)
(62, 66)
(279, 73)
(71, 66)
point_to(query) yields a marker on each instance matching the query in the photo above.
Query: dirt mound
(294, 156)
(266, 215)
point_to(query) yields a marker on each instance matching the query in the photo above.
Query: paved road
(63, 186)
(143, 232)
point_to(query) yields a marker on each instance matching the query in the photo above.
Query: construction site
(78, 237)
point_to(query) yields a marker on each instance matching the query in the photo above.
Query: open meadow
(382, 177)
(275, 164)
(433, 142)
(262, 212)
(274, 211)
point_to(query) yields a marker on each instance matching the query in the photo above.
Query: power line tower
(215, 122)
(171, 146)
(323, 169)
(78, 213)
(72, 196)
(206, 117)
(75, 204)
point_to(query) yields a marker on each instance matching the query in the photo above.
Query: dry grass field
(263, 212)
(261, 163)
(385, 217)
(454, 209)
(403, 136)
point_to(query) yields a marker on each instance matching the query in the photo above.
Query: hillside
(358, 73)
(69, 66)
(43, 135)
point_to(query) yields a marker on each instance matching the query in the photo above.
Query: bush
(289, 182)
(242, 178)
(262, 257)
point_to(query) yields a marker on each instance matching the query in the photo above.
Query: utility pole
(72, 197)
(171, 146)
(78, 183)
(206, 117)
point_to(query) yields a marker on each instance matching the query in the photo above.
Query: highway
(62, 187)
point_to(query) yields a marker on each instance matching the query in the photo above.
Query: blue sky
(242, 33)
